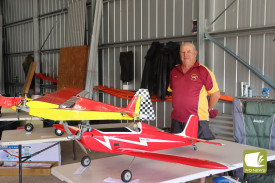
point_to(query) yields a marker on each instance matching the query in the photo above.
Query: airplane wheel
(126, 176)
(195, 147)
(29, 127)
(58, 132)
(85, 161)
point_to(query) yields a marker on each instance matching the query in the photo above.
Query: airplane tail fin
(191, 128)
(142, 106)
(191, 131)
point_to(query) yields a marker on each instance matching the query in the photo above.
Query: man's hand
(213, 113)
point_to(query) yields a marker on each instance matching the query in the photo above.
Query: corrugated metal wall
(17, 41)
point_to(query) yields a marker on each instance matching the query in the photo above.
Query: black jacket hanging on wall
(160, 60)
(127, 66)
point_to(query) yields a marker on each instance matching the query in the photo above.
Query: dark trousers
(203, 129)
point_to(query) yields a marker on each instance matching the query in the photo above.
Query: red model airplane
(139, 140)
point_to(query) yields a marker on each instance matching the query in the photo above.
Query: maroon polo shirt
(189, 91)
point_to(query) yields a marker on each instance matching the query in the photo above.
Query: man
(190, 82)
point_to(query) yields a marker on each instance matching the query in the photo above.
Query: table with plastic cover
(146, 170)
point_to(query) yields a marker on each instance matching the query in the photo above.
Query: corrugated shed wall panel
(219, 23)
(13, 67)
(123, 23)
(219, 66)
(111, 71)
(187, 14)
(243, 52)
(105, 25)
(18, 38)
(130, 20)
(75, 25)
(258, 13)
(168, 19)
(244, 13)
(137, 20)
(209, 14)
(178, 17)
(270, 13)
(160, 18)
(256, 62)
(209, 50)
(231, 16)
(269, 65)
(194, 8)
(269, 56)
(48, 6)
(116, 19)
(111, 24)
(14, 10)
(138, 66)
(230, 65)
(153, 19)
(145, 19)
(56, 38)
(117, 83)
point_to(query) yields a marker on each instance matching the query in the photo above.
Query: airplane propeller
(74, 137)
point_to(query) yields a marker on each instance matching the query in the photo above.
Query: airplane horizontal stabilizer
(172, 158)
(209, 142)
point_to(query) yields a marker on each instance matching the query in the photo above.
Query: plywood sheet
(72, 67)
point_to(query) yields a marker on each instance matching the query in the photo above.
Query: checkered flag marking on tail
(146, 109)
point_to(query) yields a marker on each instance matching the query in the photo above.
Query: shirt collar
(197, 64)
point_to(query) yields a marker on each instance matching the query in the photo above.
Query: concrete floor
(66, 158)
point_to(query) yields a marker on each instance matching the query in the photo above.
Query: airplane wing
(172, 158)
(60, 96)
(9, 101)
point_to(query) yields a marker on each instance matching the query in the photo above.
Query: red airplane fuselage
(149, 139)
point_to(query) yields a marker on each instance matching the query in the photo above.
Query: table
(23, 116)
(157, 171)
(38, 135)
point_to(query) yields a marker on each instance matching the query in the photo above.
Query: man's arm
(213, 99)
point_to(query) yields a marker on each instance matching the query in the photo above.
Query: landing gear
(29, 127)
(85, 161)
(195, 147)
(126, 176)
(58, 132)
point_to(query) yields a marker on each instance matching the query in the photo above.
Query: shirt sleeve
(170, 87)
(212, 82)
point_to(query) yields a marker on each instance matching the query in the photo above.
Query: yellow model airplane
(69, 105)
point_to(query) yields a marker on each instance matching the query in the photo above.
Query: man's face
(188, 54)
